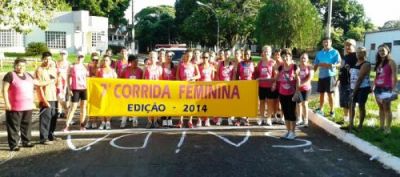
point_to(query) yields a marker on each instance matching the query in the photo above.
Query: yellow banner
(124, 97)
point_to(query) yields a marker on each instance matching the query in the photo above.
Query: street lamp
(216, 17)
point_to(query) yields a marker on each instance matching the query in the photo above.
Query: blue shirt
(330, 56)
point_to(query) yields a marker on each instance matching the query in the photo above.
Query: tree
(289, 23)
(155, 25)
(113, 9)
(23, 15)
(346, 14)
(390, 24)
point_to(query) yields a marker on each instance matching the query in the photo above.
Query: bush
(36, 48)
(115, 48)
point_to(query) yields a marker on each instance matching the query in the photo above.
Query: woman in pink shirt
(169, 73)
(207, 72)
(77, 89)
(306, 75)
(105, 71)
(61, 84)
(152, 72)
(246, 71)
(385, 84)
(187, 71)
(131, 72)
(289, 81)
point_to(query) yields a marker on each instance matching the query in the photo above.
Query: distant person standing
(18, 98)
(348, 62)
(122, 63)
(385, 84)
(326, 60)
(61, 84)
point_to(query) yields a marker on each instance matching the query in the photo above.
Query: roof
(384, 30)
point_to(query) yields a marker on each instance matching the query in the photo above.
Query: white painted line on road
(180, 142)
(112, 142)
(10, 156)
(87, 147)
(58, 174)
(363, 146)
(306, 143)
(248, 133)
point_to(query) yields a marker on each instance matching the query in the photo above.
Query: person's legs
(262, 112)
(71, 113)
(26, 126)
(44, 123)
(381, 113)
(13, 119)
(330, 99)
(388, 116)
(82, 115)
(54, 117)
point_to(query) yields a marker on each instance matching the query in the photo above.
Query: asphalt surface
(215, 151)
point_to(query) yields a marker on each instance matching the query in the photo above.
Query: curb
(376, 153)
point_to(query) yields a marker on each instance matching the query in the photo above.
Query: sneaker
(275, 120)
(46, 142)
(268, 122)
(198, 124)
(66, 129)
(305, 123)
(346, 119)
(123, 123)
(16, 148)
(230, 123)
(264, 121)
(280, 121)
(207, 123)
(94, 125)
(108, 126)
(259, 121)
(299, 123)
(318, 111)
(219, 122)
(246, 122)
(332, 114)
(88, 125)
(179, 125)
(169, 123)
(291, 136)
(387, 131)
(73, 122)
(28, 145)
(164, 123)
(156, 125)
(285, 136)
(135, 122)
(83, 129)
(102, 125)
(130, 119)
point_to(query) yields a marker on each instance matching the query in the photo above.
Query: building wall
(379, 38)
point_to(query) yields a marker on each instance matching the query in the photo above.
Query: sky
(379, 11)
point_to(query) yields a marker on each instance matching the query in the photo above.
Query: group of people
(280, 79)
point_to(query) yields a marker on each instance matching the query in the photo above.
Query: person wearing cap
(348, 62)
(47, 100)
(326, 60)
(77, 75)
(385, 84)
(62, 67)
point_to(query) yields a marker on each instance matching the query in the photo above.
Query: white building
(389, 37)
(73, 31)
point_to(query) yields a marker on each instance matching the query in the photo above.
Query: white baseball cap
(350, 41)
(63, 51)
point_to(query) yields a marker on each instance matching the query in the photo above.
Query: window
(396, 42)
(96, 38)
(10, 38)
(56, 39)
(373, 46)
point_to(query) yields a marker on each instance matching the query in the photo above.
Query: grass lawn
(370, 132)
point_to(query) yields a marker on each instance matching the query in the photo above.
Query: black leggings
(288, 107)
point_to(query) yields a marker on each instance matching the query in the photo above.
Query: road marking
(86, 147)
(58, 174)
(248, 134)
(112, 142)
(306, 143)
(10, 156)
(180, 142)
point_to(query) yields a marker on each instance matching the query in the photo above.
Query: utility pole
(329, 21)
(133, 28)
(216, 17)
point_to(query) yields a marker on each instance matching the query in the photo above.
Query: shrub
(36, 48)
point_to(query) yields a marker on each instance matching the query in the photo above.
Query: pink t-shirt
(384, 77)
(120, 67)
(153, 72)
(246, 70)
(20, 93)
(129, 74)
(78, 77)
(186, 71)
(169, 73)
(265, 71)
(225, 72)
(287, 81)
(206, 73)
(304, 75)
(103, 73)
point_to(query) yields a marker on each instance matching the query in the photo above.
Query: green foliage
(36, 48)
(155, 25)
(236, 21)
(289, 23)
(113, 9)
(22, 15)
(391, 24)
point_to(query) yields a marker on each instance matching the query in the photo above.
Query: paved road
(217, 151)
